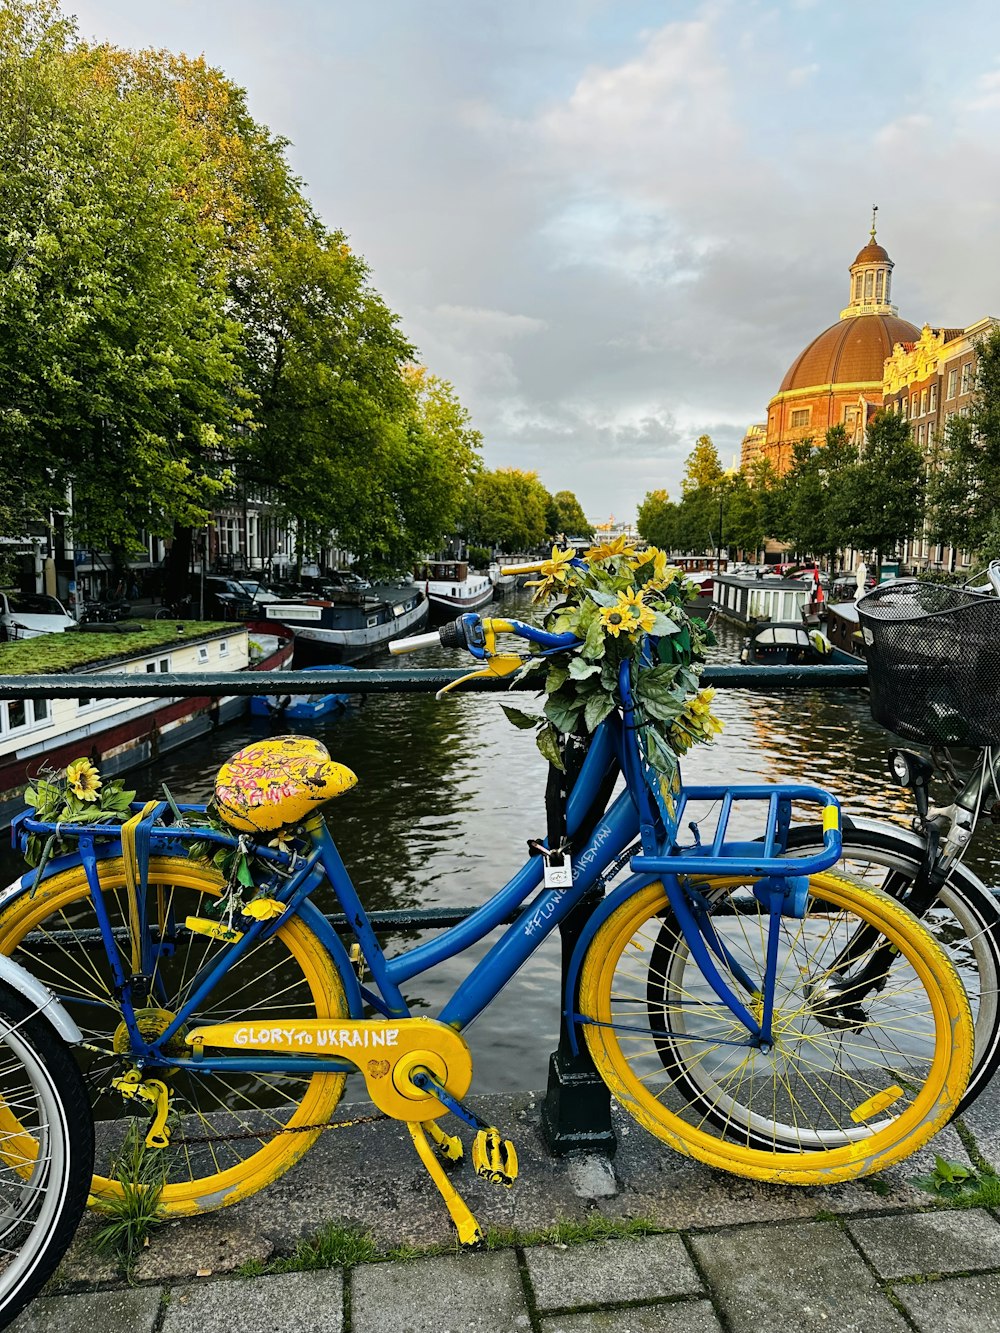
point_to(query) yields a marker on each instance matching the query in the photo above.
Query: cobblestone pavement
(732, 1256)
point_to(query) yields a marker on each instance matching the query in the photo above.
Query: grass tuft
(131, 1217)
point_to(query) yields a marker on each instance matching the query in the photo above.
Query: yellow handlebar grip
(831, 818)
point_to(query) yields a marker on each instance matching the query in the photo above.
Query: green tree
(883, 489)
(566, 517)
(657, 520)
(119, 358)
(811, 508)
(964, 480)
(506, 509)
(702, 467)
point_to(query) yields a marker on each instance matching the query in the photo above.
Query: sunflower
(554, 572)
(696, 723)
(83, 779)
(620, 546)
(619, 619)
(663, 573)
(632, 602)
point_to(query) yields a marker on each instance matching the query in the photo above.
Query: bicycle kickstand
(468, 1229)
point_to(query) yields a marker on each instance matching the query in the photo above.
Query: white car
(23, 615)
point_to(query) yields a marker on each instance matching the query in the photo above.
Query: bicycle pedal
(494, 1158)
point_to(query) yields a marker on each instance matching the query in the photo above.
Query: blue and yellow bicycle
(746, 1004)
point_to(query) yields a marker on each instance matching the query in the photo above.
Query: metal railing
(576, 1113)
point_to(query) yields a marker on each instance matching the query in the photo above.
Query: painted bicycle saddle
(271, 784)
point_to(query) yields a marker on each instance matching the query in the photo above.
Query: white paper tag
(559, 876)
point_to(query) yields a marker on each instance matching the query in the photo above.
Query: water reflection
(449, 792)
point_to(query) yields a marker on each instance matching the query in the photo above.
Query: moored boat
(789, 643)
(353, 624)
(301, 707)
(452, 588)
(119, 734)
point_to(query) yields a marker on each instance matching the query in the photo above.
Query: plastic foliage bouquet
(76, 794)
(622, 604)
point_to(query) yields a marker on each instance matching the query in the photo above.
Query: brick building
(838, 377)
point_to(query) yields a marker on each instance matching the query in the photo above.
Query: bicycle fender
(312, 917)
(595, 921)
(19, 979)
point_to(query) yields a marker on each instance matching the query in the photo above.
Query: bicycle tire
(965, 921)
(46, 1151)
(804, 1103)
(231, 1134)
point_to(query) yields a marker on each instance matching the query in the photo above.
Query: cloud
(801, 75)
(988, 90)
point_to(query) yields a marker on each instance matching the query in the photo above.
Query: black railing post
(576, 1112)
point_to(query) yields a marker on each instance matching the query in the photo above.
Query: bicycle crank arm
(388, 1052)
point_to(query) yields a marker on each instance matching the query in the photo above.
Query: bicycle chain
(289, 1129)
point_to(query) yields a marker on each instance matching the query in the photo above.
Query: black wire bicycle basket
(933, 655)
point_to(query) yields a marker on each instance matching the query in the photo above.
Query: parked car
(233, 599)
(23, 615)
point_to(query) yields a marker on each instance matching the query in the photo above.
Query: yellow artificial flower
(555, 573)
(632, 601)
(696, 723)
(620, 546)
(84, 779)
(618, 619)
(663, 573)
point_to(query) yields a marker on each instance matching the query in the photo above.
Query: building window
(952, 383)
(224, 648)
(203, 653)
(800, 417)
(920, 435)
(932, 401)
(902, 407)
(869, 285)
(878, 285)
(923, 401)
(914, 406)
(966, 377)
(850, 414)
(857, 288)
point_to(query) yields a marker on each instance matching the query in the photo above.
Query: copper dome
(873, 253)
(852, 351)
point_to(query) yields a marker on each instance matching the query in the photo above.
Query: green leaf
(580, 669)
(602, 598)
(597, 709)
(547, 741)
(556, 678)
(662, 624)
(524, 721)
(30, 796)
(593, 646)
(563, 710)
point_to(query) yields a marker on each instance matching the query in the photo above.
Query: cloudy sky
(613, 224)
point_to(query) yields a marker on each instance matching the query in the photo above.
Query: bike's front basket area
(934, 662)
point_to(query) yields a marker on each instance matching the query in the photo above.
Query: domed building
(840, 373)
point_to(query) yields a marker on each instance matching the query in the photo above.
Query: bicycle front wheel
(848, 1087)
(964, 919)
(231, 1132)
(46, 1151)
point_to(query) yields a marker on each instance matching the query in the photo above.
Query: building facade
(841, 369)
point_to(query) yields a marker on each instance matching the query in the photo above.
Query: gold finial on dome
(874, 211)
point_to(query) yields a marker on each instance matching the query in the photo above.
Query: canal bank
(721, 1255)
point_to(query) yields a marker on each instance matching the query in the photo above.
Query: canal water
(449, 792)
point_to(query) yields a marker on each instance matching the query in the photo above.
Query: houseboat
(352, 624)
(118, 734)
(452, 588)
(741, 598)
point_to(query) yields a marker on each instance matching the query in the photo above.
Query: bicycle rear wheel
(845, 1090)
(46, 1151)
(232, 1133)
